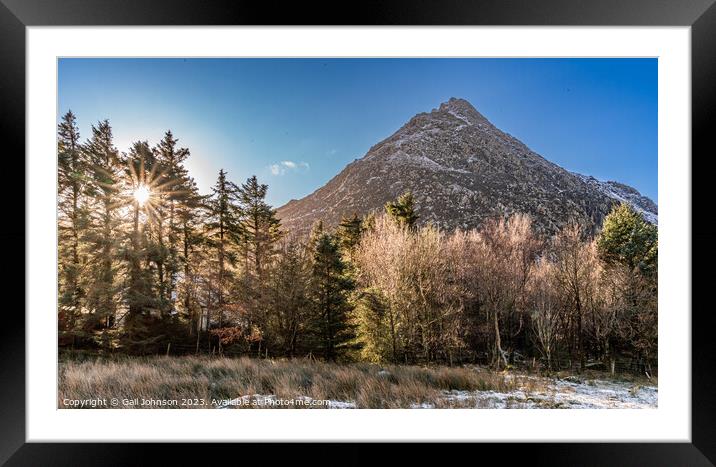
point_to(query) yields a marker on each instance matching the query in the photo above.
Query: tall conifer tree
(260, 227)
(330, 290)
(104, 188)
(176, 190)
(72, 220)
(222, 232)
(402, 210)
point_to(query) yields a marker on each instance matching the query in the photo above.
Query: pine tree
(368, 223)
(628, 245)
(626, 238)
(373, 328)
(260, 227)
(330, 292)
(348, 234)
(288, 299)
(222, 230)
(140, 295)
(259, 233)
(317, 230)
(72, 172)
(190, 214)
(402, 211)
(103, 236)
(176, 190)
(147, 172)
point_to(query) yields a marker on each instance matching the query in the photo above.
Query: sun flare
(141, 194)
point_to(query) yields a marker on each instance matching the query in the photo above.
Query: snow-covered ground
(531, 392)
(542, 393)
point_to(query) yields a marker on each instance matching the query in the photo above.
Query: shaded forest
(148, 265)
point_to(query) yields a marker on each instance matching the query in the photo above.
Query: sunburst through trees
(141, 194)
(148, 265)
(148, 184)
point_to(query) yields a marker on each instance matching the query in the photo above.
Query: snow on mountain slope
(626, 194)
(462, 170)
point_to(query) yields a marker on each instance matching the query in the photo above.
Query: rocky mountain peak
(462, 109)
(462, 170)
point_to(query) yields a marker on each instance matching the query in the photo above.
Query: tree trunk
(187, 296)
(499, 353)
(221, 273)
(75, 248)
(392, 336)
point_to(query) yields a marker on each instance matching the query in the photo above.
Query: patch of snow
(633, 199)
(341, 404)
(404, 138)
(592, 394)
(460, 117)
(597, 394)
(422, 405)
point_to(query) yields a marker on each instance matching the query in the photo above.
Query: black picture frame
(700, 15)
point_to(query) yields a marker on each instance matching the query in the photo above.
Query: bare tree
(575, 263)
(544, 308)
(509, 250)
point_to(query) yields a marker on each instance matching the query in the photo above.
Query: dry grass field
(210, 382)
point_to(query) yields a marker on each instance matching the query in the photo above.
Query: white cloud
(283, 167)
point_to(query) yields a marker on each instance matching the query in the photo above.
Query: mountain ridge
(462, 170)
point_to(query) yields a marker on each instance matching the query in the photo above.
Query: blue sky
(295, 123)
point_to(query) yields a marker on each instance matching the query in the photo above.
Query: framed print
(415, 224)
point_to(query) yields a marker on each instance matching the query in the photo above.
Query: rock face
(462, 170)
